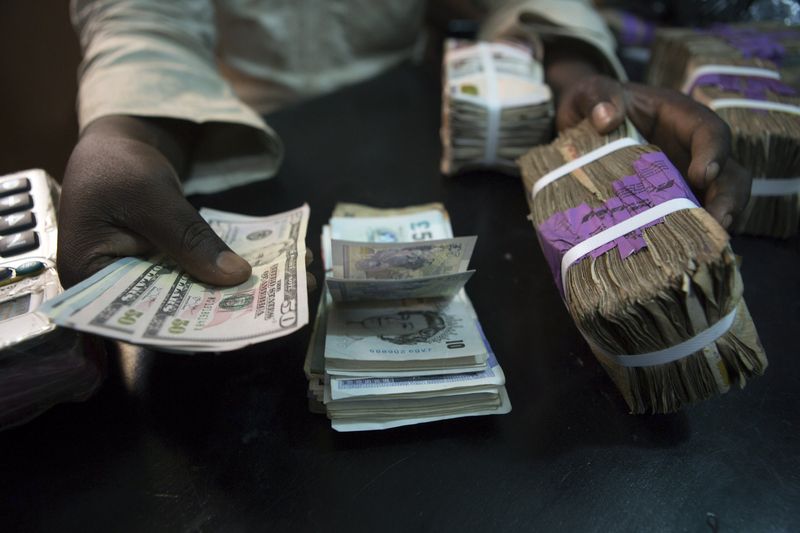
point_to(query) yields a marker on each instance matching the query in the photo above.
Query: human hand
(121, 196)
(696, 140)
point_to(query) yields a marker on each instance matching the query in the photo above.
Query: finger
(309, 257)
(727, 196)
(311, 282)
(188, 239)
(695, 139)
(710, 149)
(598, 98)
(83, 253)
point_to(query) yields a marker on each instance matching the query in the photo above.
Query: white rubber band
(618, 230)
(775, 186)
(731, 70)
(766, 105)
(575, 164)
(493, 104)
(673, 353)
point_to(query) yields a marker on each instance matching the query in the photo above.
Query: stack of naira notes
(495, 105)
(747, 74)
(154, 303)
(648, 275)
(396, 341)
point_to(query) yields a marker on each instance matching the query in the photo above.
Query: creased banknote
(357, 260)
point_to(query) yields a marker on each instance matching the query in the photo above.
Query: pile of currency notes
(67, 366)
(495, 105)
(396, 341)
(153, 303)
(649, 277)
(748, 75)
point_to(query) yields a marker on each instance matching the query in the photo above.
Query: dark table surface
(225, 442)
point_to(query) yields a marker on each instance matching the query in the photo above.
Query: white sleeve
(554, 20)
(155, 58)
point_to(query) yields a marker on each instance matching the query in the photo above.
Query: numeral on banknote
(425, 235)
(178, 326)
(130, 317)
(288, 313)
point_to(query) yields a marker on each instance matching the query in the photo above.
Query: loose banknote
(358, 260)
(354, 222)
(354, 290)
(410, 337)
(391, 270)
(153, 302)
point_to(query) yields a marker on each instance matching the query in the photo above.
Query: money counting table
(226, 442)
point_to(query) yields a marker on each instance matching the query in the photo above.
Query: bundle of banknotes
(67, 366)
(748, 75)
(495, 105)
(153, 303)
(648, 276)
(396, 341)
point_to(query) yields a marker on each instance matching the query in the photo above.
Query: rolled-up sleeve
(155, 58)
(554, 21)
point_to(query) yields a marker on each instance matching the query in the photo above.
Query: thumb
(597, 98)
(191, 242)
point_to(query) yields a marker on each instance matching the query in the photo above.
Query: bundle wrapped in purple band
(751, 87)
(654, 182)
(748, 74)
(647, 275)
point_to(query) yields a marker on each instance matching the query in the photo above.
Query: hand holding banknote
(122, 197)
(155, 303)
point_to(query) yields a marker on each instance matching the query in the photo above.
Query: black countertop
(225, 442)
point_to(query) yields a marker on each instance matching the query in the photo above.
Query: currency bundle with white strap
(748, 75)
(495, 105)
(647, 274)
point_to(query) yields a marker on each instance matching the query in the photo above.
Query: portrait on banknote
(406, 327)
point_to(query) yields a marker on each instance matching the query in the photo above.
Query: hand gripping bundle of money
(648, 276)
(745, 74)
(155, 304)
(396, 341)
(495, 105)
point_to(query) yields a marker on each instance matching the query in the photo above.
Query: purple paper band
(636, 31)
(752, 42)
(656, 181)
(751, 87)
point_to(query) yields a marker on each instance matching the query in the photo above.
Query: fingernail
(230, 263)
(602, 114)
(712, 170)
(726, 221)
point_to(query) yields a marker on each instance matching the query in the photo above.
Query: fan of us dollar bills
(396, 341)
(154, 303)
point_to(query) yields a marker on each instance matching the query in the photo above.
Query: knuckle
(197, 234)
